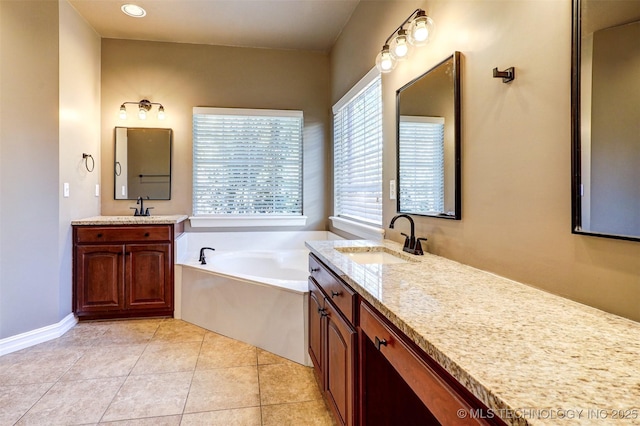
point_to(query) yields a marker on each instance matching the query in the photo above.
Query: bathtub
(253, 287)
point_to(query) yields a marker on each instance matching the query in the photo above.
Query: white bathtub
(253, 287)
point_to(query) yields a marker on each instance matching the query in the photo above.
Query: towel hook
(85, 157)
(507, 75)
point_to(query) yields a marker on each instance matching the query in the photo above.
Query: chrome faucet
(202, 260)
(411, 244)
(142, 211)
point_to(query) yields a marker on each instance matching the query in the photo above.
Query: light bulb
(161, 113)
(123, 112)
(421, 29)
(142, 114)
(385, 62)
(400, 47)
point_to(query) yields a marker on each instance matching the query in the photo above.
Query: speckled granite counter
(130, 220)
(532, 357)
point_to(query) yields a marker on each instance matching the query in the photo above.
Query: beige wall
(79, 133)
(29, 195)
(516, 157)
(182, 76)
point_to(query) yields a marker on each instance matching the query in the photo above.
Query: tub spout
(202, 259)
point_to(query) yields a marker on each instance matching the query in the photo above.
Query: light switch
(124, 190)
(97, 189)
(65, 190)
(392, 189)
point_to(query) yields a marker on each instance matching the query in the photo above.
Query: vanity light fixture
(133, 10)
(398, 45)
(144, 106)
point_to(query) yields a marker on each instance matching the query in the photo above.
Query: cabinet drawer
(438, 395)
(110, 234)
(339, 293)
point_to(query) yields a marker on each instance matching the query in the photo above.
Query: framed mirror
(606, 118)
(142, 165)
(428, 142)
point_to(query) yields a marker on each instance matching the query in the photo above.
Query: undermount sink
(373, 257)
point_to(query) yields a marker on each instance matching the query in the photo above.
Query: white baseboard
(40, 335)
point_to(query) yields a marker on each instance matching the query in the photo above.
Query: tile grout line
(128, 375)
(195, 367)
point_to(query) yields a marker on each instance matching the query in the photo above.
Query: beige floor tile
(129, 332)
(309, 413)
(237, 417)
(37, 367)
(265, 357)
(105, 361)
(15, 401)
(223, 388)
(224, 342)
(78, 402)
(167, 358)
(150, 395)
(285, 383)
(211, 356)
(172, 330)
(149, 421)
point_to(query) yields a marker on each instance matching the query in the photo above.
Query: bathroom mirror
(605, 118)
(142, 166)
(428, 142)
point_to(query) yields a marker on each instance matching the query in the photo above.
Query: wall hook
(507, 75)
(86, 157)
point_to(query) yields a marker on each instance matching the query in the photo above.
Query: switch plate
(97, 189)
(65, 190)
(392, 189)
(124, 190)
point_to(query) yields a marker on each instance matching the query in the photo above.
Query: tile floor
(159, 372)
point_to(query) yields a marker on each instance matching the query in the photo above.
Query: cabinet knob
(100, 235)
(315, 269)
(335, 293)
(379, 343)
(146, 234)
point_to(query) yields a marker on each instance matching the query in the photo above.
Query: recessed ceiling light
(133, 10)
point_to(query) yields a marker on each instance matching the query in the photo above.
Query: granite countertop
(131, 220)
(532, 357)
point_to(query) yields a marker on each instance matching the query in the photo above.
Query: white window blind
(247, 162)
(422, 164)
(357, 139)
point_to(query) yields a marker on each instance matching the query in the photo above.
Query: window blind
(421, 159)
(357, 137)
(247, 162)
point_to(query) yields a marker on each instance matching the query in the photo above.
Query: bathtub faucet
(411, 244)
(202, 259)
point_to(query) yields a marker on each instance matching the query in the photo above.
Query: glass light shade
(400, 48)
(161, 113)
(123, 112)
(385, 62)
(421, 30)
(133, 10)
(142, 114)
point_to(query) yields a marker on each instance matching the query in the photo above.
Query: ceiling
(271, 24)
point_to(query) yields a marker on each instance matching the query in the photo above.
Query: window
(357, 143)
(421, 161)
(247, 162)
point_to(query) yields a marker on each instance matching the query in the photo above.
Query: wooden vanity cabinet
(123, 271)
(333, 340)
(371, 373)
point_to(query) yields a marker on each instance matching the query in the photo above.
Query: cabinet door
(316, 330)
(148, 276)
(339, 364)
(99, 278)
